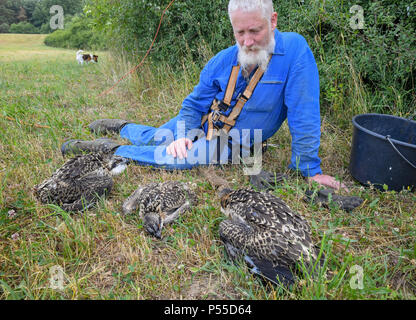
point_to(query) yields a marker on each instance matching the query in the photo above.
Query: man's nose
(248, 41)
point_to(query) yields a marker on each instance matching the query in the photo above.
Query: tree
(7, 15)
(42, 15)
(29, 6)
(4, 28)
(39, 15)
(22, 16)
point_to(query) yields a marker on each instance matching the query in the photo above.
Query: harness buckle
(216, 119)
(241, 96)
(222, 106)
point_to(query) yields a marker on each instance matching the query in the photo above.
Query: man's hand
(178, 148)
(328, 181)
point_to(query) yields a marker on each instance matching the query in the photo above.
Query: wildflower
(11, 214)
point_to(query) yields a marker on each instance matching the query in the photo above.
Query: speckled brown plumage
(79, 183)
(160, 204)
(266, 233)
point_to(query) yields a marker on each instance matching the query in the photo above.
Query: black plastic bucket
(384, 151)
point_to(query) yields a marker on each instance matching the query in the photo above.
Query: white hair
(265, 6)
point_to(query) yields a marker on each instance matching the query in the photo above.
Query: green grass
(46, 98)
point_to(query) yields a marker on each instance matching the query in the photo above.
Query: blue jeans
(149, 147)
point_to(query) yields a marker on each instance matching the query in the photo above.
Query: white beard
(248, 59)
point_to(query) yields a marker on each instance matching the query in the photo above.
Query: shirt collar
(279, 47)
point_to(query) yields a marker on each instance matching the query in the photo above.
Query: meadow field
(46, 98)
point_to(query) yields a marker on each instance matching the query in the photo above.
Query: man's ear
(274, 20)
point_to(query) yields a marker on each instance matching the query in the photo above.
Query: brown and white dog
(85, 57)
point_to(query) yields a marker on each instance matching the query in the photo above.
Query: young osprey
(79, 183)
(266, 233)
(160, 204)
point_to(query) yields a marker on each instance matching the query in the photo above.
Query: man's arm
(303, 111)
(302, 102)
(193, 108)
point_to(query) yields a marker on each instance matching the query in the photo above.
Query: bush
(4, 28)
(373, 68)
(378, 60)
(46, 27)
(190, 29)
(77, 34)
(23, 27)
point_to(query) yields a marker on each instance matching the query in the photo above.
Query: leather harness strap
(232, 81)
(229, 121)
(244, 98)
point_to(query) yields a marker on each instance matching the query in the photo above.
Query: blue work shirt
(288, 89)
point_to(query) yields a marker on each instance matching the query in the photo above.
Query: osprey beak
(154, 230)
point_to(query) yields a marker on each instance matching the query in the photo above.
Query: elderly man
(267, 77)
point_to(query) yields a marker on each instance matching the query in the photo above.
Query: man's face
(252, 31)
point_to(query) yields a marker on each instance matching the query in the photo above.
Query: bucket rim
(377, 135)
